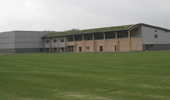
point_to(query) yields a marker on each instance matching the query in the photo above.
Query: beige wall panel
(78, 44)
(110, 45)
(98, 43)
(136, 44)
(70, 43)
(123, 44)
(90, 44)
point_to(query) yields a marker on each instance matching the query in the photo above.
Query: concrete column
(49, 45)
(104, 37)
(93, 43)
(83, 42)
(74, 43)
(129, 40)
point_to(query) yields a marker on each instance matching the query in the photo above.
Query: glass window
(54, 41)
(61, 40)
(156, 36)
(151, 46)
(47, 41)
(87, 47)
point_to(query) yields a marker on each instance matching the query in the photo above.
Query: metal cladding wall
(155, 39)
(148, 36)
(29, 41)
(7, 42)
(21, 41)
(137, 32)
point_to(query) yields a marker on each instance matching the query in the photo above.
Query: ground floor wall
(109, 45)
(28, 50)
(7, 50)
(156, 46)
(21, 50)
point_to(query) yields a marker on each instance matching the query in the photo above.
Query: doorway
(101, 48)
(70, 49)
(115, 47)
(80, 49)
(147, 46)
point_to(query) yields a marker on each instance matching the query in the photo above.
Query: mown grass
(86, 76)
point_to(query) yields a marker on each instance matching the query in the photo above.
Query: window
(87, 47)
(47, 41)
(54, 41)
(151, 46)
(61, 40)
(155, 30)
(166, 31)
(156, 36)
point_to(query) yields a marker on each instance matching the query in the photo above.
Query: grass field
(86, 76)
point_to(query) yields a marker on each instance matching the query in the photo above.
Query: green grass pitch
(86, 76)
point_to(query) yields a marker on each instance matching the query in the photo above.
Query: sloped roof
(104, 29)
(94, 30)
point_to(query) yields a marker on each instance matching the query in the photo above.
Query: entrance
(147, 46)
(101, 48)
(80, 49)
(115, 47)
(70, 49)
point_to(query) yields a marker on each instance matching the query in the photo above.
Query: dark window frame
(61, 40)
(47, 41)
(87, 47)
(54, 41)
(151, 45)
(156, 36)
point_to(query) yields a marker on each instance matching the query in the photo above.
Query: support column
(93, 43)
(83, 42)
(104, 37)
(129, 41)
(49, 45)
(65, 44)
(74, 43)
(116, 41)
(57, 43)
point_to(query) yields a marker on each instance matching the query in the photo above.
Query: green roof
(105, 29)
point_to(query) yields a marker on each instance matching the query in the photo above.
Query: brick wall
(136, 45)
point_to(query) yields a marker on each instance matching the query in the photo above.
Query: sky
(62, 15)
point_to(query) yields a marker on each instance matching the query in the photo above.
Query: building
(21, 41)
(135, 37)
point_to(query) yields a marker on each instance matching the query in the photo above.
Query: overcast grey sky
(60, 15)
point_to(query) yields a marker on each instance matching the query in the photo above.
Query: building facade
(21, 41)
(136, 37)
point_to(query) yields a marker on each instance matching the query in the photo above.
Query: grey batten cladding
(22, 41)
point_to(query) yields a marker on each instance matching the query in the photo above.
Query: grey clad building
(134, 37)
(21, 41)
